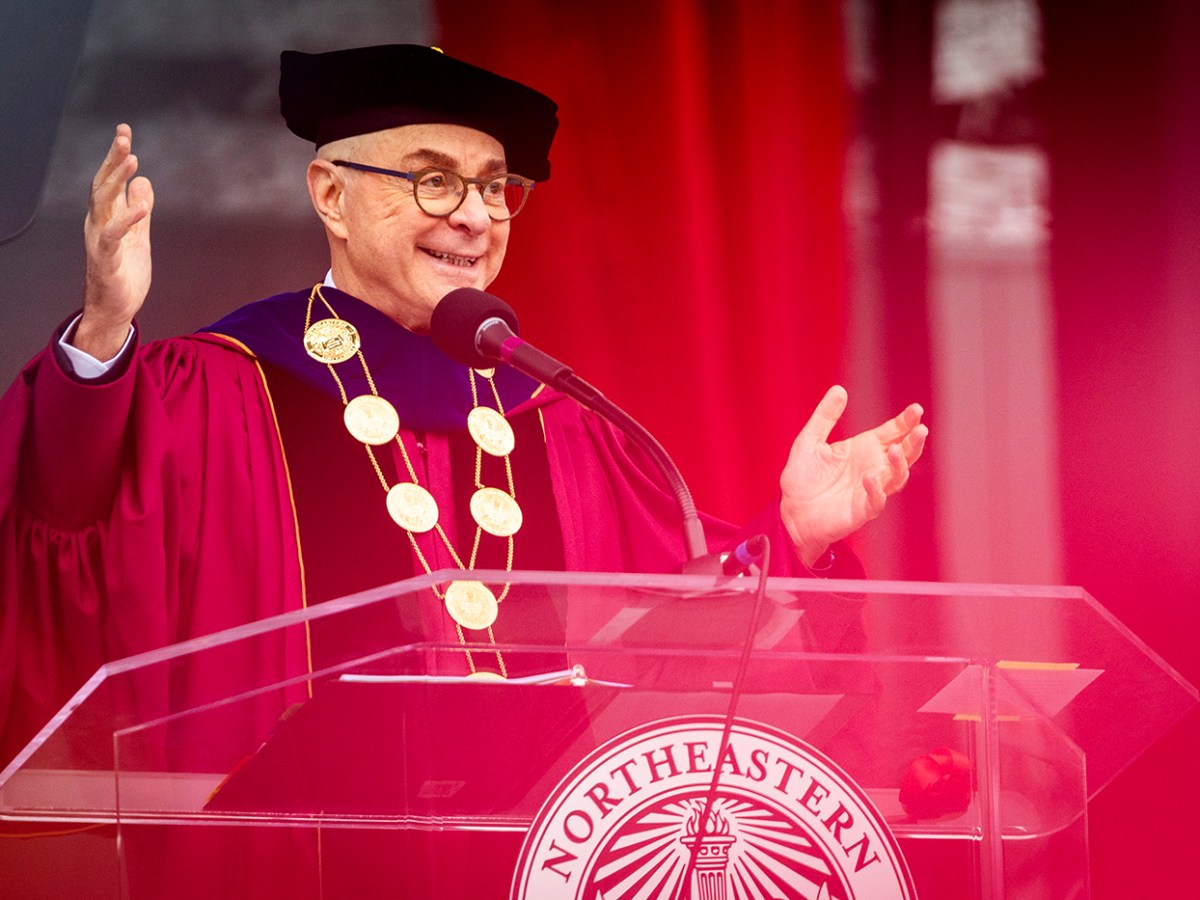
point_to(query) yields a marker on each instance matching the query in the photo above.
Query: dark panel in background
(197, 81)
(39, 51)
(1124, 139)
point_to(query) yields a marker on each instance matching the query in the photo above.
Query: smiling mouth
(464, 262)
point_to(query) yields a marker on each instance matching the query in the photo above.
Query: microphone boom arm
(479, 329)
(693, 530)
(496, 340)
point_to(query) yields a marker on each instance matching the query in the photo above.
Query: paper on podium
(1024, 690)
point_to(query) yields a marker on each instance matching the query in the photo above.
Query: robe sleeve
(144, 509)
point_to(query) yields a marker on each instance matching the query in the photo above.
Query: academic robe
(197, 487)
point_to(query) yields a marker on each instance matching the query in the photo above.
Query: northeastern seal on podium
(640, 817)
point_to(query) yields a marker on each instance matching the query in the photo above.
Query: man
(317, 443)
(175, 489)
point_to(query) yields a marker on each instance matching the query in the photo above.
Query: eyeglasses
(439, 192)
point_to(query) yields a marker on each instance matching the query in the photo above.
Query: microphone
(745, 555)
(478, 329)
(741, 560)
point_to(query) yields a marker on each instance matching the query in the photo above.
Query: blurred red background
(689, 256)
(700, 254)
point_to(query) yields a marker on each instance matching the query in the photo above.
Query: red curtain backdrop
(686, 256)
(1124, 140)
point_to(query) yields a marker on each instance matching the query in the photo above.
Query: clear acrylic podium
(343, 751)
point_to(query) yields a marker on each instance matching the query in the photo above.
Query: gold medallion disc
(371, 419)
(491, 431)
(486, 373)
(496, 512)
(471, 604)
(484, 675)
(412, 507)
(331, 340)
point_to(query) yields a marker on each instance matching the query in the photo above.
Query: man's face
(396, 257)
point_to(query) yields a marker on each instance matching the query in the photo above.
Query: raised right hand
(116, 235)
(832, 490)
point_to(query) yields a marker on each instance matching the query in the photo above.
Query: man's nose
(473, 212)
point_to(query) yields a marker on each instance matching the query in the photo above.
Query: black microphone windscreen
(456, 320)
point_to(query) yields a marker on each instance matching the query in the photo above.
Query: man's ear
(326, 188)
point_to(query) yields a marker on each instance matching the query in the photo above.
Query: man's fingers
(909, 419)
(109, 199)
(108, 187)
(901, 426)
(118, 226)
(118, 150)
(876, 495)
(897, 470)
(139, 205)
(140, 199)
(913, 444)
(882, 482)
(816, 430)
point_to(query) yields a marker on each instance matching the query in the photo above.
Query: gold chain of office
(374, 422)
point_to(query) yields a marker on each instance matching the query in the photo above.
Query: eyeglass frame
(466, 182)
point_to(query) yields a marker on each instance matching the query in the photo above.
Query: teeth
(465, 261)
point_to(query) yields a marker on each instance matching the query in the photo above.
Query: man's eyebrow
(440, 160)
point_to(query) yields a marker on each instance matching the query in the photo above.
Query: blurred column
(990, 309)
(887, 73)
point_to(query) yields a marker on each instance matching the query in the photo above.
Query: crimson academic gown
(190, 491)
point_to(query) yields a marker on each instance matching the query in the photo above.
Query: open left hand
(116, 237)
(832, 490)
